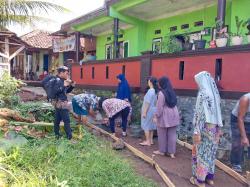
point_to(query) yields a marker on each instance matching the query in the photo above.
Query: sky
(77, 8)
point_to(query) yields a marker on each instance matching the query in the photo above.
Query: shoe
(124, 134)
(237, 168)
(145, 143)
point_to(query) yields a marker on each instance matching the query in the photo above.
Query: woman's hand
(244, 141)
(144, 115)
(154, 119)
(196, 139)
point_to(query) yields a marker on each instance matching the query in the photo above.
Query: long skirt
(204, 154)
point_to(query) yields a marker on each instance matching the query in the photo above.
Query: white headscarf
(208, 100)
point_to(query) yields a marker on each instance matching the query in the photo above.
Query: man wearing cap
(62, 86)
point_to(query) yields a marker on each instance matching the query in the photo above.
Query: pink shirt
(113, 106)
(166, 117)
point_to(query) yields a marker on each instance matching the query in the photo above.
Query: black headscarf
(168, 91)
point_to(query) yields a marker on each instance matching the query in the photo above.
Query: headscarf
(208, 100)
(123, 91)
(168, 91)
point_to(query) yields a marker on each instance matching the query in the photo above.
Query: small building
(12, 53)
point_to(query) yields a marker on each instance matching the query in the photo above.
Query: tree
(25, 11)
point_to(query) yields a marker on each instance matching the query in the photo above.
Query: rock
(118, 145)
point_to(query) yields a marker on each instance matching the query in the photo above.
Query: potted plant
(221, 35)
(247, 24)
(171, 44)
(237, 38)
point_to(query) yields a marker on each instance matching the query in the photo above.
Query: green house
(134, 26)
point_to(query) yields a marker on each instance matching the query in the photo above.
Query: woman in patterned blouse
(114, 108)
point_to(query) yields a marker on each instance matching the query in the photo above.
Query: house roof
(42, 39)
(38, 39)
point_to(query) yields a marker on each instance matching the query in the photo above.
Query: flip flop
(158, 153)
(144, 144)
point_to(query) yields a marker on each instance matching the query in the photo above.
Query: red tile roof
(38, 39)
(41, 39)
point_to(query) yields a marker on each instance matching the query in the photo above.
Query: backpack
(48, 84)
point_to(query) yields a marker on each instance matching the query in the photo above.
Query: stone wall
(186, 107)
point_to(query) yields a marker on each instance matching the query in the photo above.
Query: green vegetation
(48, 162)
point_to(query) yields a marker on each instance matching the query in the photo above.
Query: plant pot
(237, 40)
(187, 46)
(199, 44)
(248, 38)
(221, 42)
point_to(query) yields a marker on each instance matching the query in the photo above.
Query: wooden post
(145, 70)
(78, 47)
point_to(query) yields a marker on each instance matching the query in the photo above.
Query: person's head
(100, 101)
(164, 83)
(120, 78)
(63, 72)
(202, 79)
(168, 92)
(45, 72)
(152, 83)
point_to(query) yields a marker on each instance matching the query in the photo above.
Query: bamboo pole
(220, 165)
(137, 153)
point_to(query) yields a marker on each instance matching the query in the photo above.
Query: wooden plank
(220, 165)
(137, 153)
(16, 52)
(4, 55)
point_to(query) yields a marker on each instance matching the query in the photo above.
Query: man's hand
(67, 83)
(196, 139)
(244, 141)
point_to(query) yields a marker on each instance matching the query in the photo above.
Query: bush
(9, 86)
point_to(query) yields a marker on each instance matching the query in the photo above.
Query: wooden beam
(10, 43)
(220, 165)
(16, 52)
(4, 55)
(137, 153)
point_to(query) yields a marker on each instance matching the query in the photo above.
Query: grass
(47, 162)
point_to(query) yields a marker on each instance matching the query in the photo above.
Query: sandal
(144, 144)
(159, 153)
(210, 182)
(194, 181)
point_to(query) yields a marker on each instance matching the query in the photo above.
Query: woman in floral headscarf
(207, 122)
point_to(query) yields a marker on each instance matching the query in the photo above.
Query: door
(45, 63)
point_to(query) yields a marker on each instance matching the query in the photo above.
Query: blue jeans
(124, 114)
(237, 156)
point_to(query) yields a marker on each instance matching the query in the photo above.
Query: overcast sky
(77, 8)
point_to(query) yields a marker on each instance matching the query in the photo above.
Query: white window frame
(126, 41)
(154, 41)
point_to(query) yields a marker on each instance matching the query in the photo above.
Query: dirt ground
(178, 169)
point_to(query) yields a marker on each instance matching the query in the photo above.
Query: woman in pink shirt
(166, 118)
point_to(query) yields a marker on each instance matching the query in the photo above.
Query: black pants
(62, 115)
(124, 114)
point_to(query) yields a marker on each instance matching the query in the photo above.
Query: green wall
(128, 35)
(240, 8)
(140, 37)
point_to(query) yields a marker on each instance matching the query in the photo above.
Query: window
(107, 72)
(125, 49)
(81, 76)
(198, 23)
(123, 69)
(156, 45)
(157, 31)
(218, 69)
(93, 72)
(120, 36)
(109, 51)
(108, 38)
(181, 70)
(174, 28)
(185, 26)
